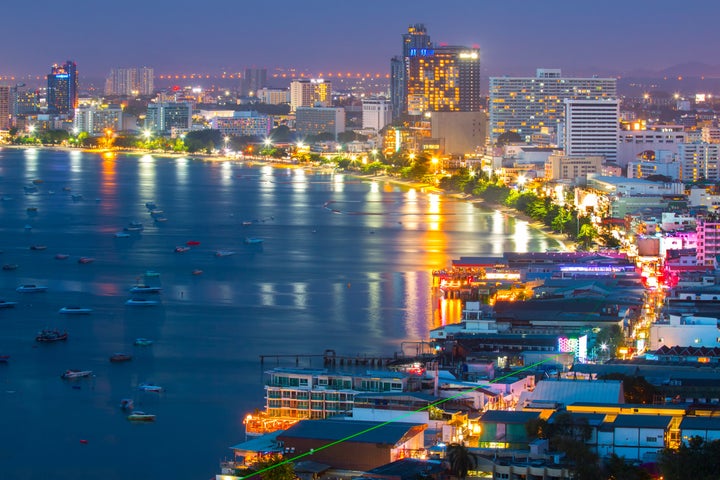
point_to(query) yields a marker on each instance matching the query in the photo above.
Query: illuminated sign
(62, 75)
(577, 346)
(421, 52)
(468, 55)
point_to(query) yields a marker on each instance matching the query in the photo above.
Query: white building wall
(592, 127)
(376, 113)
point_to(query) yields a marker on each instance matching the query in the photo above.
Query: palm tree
(461, 460)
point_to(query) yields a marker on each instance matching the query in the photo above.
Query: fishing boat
(120, 357)
(142, 288)
(138, 416)
(149, 387)
(31, 288)
(48, 335)
(75, 310)
(150, 205)
(197, 271)
(253, 241)
(143, 342)
(134, 227)
(151, 274)
(6, 304)
(70, 374)
(141, 302)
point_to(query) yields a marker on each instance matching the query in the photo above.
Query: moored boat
(122, 235)
(75, 310)
(6, 304)
(70, 374)
(224, 253)
(61, 256)
(49, 335)
(253, 240)
(192, 243)
(142, 288)
(149, 387)
(38, 247)
(86, 260)
(4, 358)
(120, 357)
(10, 266)
(138, 416)
(31, 288)
(141, 302)
(143, 342)
(181, 249)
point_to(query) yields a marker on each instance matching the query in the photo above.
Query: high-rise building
(62, 88)
(591, 128)
(317, 120)
(162, 117)
(443, 79)
(131, 81)
(306, 92)
(376, 113)
(527, 105)
(6, 106)
(253, 80)
(274, 96)
(95, 119)
(699, 161)
(415, 40)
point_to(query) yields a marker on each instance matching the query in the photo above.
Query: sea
(345, 264)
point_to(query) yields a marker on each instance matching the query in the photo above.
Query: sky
(209, 36)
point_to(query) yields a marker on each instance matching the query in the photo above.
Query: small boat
(151, 273)
(149, 387)
(61, 256)
(247, 223)
(197, 271)
(122, 235)
(156, 212)
(31, 209)
(138, 416)
(10, 266)
(70, 374)
(127, 404)
(30, 189)
(160, 218)
(86, 260)
(51, 336)
(253, 241)
(73, 310)
(28, 227)
(134, 227)
(6, 304)
(143, 342)
(181, 249)
(66, 189)
(76, 196)
(141, 288)
(4, 358)
(141, 302)
(38, 247)
(37, 181)
(150, 205)
(6, 198)
(31, 288)
(224, 253)
(192, 243)
(120, 357)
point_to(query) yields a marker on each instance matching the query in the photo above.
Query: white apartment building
(562, 167)
(529, 105)
(663, 164)
(95, 119)
(132, 81)
(307, 92)
(699, 161)
(701, 197)
(591, 128)
(273, 96)
(314, 121)
(632, 143)
(376, 112)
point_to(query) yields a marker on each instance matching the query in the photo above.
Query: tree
(461, 460)
(698, 460)
(617, 468)
(586, 235)
(274, 467)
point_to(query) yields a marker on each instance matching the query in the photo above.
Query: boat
(247, 223)
(253, 241)
(4, 358)
(127, 404)
(30, 189)
(48, 335)
(31, 209)
(70, 374)
(6, 198)
(150, 205)
(138, 416)
(120, 357)
(10, 266)
(38, 247)
(181, 249)
(141, 302)
(149, 387)
(86, 260)
(31, 288)
(61, 256)
(76, 196)
(224, 253)
(66, 189)
(160, 218)
(143, 342)
(141, 288)
(6, 304)
(192, 243)
(156, 212)
(73, 310)
(28, 227)
(37, 181)
(197, 271)
(151, 273)
(122, 235)
(134, 227)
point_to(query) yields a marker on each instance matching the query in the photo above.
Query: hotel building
(62, 88)
(591, 128)
(131, 81)
(306, 92)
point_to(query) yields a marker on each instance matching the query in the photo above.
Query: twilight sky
(209, 36)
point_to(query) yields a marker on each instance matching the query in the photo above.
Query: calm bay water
(345, 265)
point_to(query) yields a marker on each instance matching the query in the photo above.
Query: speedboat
(138, 416)
(149, 387)
(192, 243)
(61, 256)
(181, 249)
(141, 302)
(120, 357)
(143, 342)
(86, 260)
(197, 271)
(224, 253)
(74, 310)
(48, 335)
(141, 288)
(31, 288)
(38, 247)
(69, 374)
(253, 241)
(6, 304)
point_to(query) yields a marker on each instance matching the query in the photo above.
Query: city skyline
(514, 37)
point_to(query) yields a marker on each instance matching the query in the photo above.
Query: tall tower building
(253, 80)
(375, 113)
(416, 39)
(527, 105)
(131, 81)
(592, 128)
(443, 79)
(62, 88)
(6, 106)
(307, 92)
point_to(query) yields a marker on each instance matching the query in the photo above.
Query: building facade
(376, 113)
(162, 117)
(273, 96)
(310, 92)
(95, 119)
(253, 80)
(563, 167)
(699, 161)
(591, 128)
(415, 39)
(314, 121)
(132, 81)
(526, 105)
(62, 88)
(6, 106)
(242, 124)
(708, 241)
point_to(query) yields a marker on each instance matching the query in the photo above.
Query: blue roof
(642, 421)
(700, 423)
(508, 416)
(385, 433)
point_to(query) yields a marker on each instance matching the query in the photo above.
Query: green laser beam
(393, 420)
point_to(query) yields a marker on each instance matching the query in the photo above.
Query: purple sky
(514, 36)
